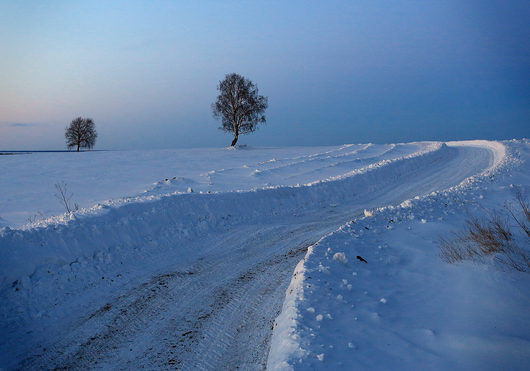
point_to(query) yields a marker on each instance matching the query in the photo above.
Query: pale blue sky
(334, 71)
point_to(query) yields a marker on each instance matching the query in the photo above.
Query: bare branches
(523, 222)
(36, 217)
(64, 196)
(81, 133)
(239, 105)
(492, 237)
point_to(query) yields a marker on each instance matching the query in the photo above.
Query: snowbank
(159, 222)
(405, 308)
(52, 270)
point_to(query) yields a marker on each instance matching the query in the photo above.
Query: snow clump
(340, 257)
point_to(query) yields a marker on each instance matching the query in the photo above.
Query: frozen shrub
(493, 237)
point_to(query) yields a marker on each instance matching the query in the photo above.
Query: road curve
(218, 312)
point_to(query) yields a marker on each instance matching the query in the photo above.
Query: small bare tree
(65, 196)
(81, 133)
(239, 105)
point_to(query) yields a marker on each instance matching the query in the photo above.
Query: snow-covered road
(403, 307)
(195, 281)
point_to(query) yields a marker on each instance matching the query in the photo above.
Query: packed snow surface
(401, 307)
(27, 186)
(182, 258)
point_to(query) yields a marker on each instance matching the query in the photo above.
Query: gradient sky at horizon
(334, 71)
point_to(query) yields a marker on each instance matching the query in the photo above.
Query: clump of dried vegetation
(493, 237)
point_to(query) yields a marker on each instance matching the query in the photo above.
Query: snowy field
(28, 186)
(404, 308)
(185, 258)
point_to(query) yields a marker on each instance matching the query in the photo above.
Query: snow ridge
(290, 346)
(51, 272)
(167, 219)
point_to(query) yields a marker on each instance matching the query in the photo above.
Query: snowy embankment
(134, 223)
(59, 274)
(27, 190)
(403, 307)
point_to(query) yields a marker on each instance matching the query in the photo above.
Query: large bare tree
(239, 105)
(81, 133)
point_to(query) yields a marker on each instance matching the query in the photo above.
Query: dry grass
(493, 237)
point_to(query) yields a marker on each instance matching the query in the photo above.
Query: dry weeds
(493, 236)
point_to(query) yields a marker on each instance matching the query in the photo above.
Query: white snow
(340, 257)
(201, 243)
(407, 309)
(27, 185)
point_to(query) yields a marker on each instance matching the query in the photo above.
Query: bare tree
(239, 105)
(81, 133)
(64, 196)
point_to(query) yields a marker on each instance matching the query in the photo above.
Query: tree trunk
(77, 147)
(236, 136)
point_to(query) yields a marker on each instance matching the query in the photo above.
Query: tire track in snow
(168, 312)
(239, 293)
(310, 162)
(247, 169)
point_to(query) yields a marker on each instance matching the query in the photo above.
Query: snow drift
(405, 308)
(162, 222)
(58, 272)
